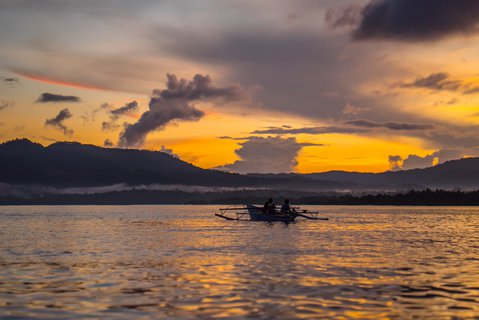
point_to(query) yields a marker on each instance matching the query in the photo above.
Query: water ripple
(151, 262)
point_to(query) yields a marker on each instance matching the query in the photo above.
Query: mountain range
(71, 164)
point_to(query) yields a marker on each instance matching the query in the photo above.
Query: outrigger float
(255, 213)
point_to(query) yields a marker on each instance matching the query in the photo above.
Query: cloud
(90, 113)
(299, 68)
(413, 20)
(275, 60)
(352, 110)
(308, 130)
(394, 163)
(115, 114)
(50, 97)
(126, 109)
(108, 143)
(351, 127)
(397, 126)
(441, 81)
(349, 16)
(109, 126)
(266, 155)
(417, 162)
(174, 103)
(4, 104)
(8, 82)
(57, 122)
(169, 151)
(435, 81)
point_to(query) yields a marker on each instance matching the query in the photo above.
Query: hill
(462, 173)
(69, 164)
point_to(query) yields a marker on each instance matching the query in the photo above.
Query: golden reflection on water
(182, 262)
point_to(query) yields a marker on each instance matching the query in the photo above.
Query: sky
(247, 86)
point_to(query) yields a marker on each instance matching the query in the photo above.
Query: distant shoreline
(411, 198)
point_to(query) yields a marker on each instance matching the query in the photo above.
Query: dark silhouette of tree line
(425, 197)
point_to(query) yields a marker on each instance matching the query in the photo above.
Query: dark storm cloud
(267, 155)
(57, 122)
(441, 81)
(174, 103)
(399, 126)
(417, 20)
(50, 97)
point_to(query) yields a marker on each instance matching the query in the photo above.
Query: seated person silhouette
(269, 207)
(285, 208)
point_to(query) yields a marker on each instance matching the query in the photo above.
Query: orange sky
(290, 92)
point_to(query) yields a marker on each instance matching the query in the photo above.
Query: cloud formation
(413, 20)
(352, 110)
(8, 82)
(115, 114)
(417, 162)
(397, 126)
(126, 109)
(266, 155)
(108, 143)
(395, 163)
(441, 81)
(168, 151)
(50, 97)
(347, 127)
(308, 130)
(175, 103)
(57, 122)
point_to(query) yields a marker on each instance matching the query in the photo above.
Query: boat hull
(257, 214)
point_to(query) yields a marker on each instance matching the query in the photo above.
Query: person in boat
(266, 205)
(269, 207)
(285, 208)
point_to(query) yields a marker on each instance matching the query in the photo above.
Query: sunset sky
(247, 86)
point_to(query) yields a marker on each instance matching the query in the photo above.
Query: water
(148, 262)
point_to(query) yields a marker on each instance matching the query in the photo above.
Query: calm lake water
(148, 262)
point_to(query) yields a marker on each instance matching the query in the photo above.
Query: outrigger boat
(256, 213)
